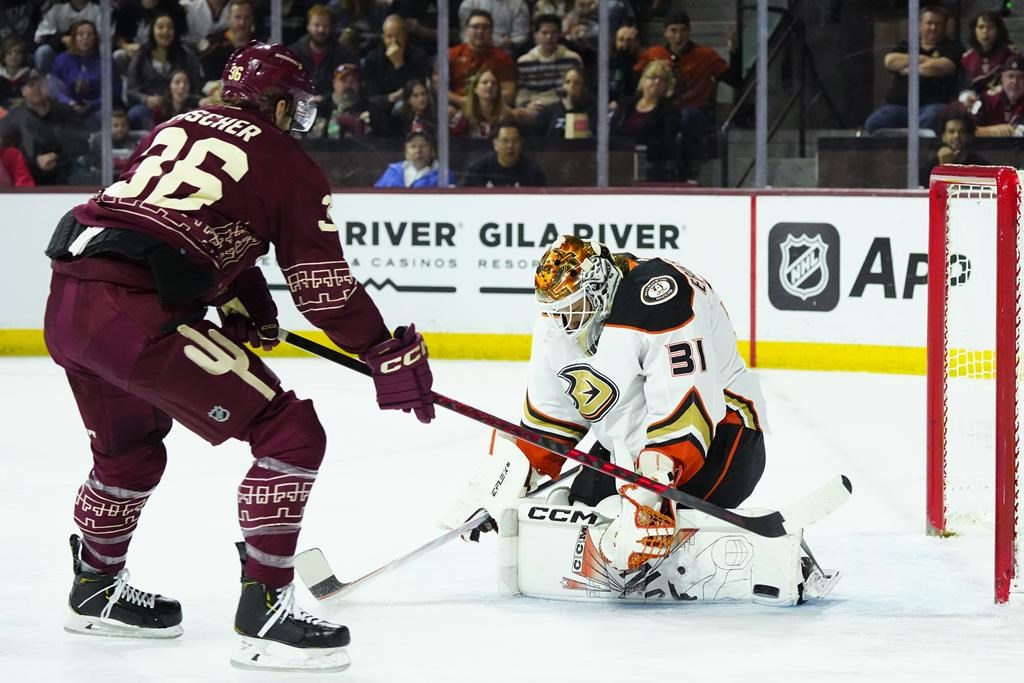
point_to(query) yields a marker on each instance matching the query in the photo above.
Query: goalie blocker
(551, 550)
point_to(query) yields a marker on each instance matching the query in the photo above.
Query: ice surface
(908, 608)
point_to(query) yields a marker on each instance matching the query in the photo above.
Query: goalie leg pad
(708, 561)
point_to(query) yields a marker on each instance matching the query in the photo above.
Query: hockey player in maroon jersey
(134, 270)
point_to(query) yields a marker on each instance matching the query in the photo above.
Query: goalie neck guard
(574, 286)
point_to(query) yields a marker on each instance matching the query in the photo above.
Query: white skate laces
(284, 608)
(122, 591)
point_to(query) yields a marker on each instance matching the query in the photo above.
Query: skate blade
(266, 655)
(817, 586)
(110, 628)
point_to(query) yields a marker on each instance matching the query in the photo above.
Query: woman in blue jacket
(419, 168)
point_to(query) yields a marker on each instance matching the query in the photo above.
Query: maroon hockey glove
(401, 373)
(250, 316)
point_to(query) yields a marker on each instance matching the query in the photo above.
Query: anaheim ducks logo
(593, 393)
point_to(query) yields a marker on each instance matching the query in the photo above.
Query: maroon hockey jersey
(222, 184)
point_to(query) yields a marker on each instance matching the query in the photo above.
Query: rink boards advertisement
(813, 279)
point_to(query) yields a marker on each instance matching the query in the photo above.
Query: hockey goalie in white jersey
(642, 353)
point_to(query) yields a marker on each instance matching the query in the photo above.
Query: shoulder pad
(652, 297)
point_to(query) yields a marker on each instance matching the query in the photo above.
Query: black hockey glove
(482, 528)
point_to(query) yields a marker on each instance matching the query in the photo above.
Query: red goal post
(964, 356)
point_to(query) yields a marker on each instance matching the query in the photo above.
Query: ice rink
(908, 608)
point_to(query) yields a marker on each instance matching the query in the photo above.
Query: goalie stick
(316, 573)
(773, 525)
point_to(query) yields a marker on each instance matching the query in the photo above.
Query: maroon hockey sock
(107, 517)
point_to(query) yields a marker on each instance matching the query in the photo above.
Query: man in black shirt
(505, 166)
(389, 67)
(938, 64)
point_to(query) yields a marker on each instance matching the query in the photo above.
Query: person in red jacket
(14, 171)
(135, 268)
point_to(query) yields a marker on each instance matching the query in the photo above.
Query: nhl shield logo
(219, 414)
(803, 271)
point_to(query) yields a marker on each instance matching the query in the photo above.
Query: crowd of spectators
(521, 72)
(519, 69)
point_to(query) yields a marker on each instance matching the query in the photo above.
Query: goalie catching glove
(249, 316)
(646, 524)
(401, 373)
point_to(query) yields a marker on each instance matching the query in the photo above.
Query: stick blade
(316, 574)
(819, 504)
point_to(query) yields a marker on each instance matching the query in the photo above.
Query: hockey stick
(315, 571)
(772, 525)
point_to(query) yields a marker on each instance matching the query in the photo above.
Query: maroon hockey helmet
(259, 67)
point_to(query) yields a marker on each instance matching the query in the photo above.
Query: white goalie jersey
(665, 373)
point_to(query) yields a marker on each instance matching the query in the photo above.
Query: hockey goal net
(975, 367)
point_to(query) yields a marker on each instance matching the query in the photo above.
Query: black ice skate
(279, 636)
(105, 605)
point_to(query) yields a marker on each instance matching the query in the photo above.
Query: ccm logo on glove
(405, 360)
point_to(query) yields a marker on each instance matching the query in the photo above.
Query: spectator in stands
(51, 135)
(203, 17)
(622, 78)
(178, 99)
(573, 115)
(559, 8)
(241, 29)
(349, 114)
(477, 53)
(357, 22)
(75, 78)
(541, 69)
(14, 68)
(505, 166)
(581, 25)
(415, 112)
(1001, 113)
(123, 141)
(938, 75)
(19, 18)
(389, 67)
(421, 21)
(957, 136)
(149, 72)
(980, 65)
(132, 22)
(52, 32)
(484, 110)
(652, 122)
(321, 55)
(14, 170)
(697, 69)
(419, 168)
(510, 21)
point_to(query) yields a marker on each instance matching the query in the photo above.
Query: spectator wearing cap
(389, 67)
(505, 166)
(957, 136)
(50, 134)
(476, 54)
(937, 82)
(418, 170)
(1002, 113)
(52, 32)
(321, 55)
(349, 113)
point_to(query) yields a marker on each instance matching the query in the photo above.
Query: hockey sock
(107, 517)
(271, 500)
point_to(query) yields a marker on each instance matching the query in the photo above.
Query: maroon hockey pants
(133, 370)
